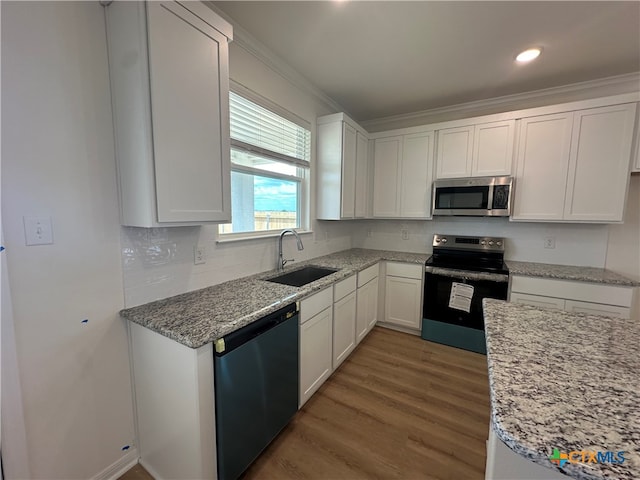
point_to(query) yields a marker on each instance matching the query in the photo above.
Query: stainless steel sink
(301, 277)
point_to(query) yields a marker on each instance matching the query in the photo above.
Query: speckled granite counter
(567, 381)
(202, 316)
(568, 272)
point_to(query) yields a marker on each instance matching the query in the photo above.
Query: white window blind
(269, 170)
(257, 129)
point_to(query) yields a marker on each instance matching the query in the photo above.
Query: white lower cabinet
(367, 301)
(367, 309)
(344, 320)
(316, 327)
(403, 295)
(572, 296)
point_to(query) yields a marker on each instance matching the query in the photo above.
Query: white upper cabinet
(542, 165)
(574, 166)
(599, 163)
(455, 150)
(480, 150)
(342, 168)
(362, 175)
(387, 155)
(403, 173)
(168, 65)
(493, 149)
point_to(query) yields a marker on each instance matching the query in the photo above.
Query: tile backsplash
(159, 262)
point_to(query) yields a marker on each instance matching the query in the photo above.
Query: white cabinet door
(344, 328)
(170, 84)
(367, 308)
(599, 163)
(348, 188)
(362, 175)
(341, 173)
(485, 149)
(315, 353)
(416, 173)
(386, 161)
(597, 309)
(542, 166)
(403, 302)
(455, 149)
(493, 149)
(191, 158)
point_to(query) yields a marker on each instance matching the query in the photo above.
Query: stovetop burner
(480, 254)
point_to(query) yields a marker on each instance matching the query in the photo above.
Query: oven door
(452, 306)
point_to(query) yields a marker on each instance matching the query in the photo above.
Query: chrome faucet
(281, 261)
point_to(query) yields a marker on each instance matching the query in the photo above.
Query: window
(269, 169)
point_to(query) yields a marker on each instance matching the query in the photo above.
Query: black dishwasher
(256, 388)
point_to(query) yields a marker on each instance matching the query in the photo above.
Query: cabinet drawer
(344, 287)
(597, 309)
(311, 306)
(538, 301)
(407, 270)
(368, 274)
(570, 290)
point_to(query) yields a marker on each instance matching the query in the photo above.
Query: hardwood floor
(398, 408)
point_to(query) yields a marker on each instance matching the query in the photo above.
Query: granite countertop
(565, 380)
(568, 272)
(202, 316)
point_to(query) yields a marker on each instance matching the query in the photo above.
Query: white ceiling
(382, 58)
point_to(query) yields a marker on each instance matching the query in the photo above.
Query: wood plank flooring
(398, 408)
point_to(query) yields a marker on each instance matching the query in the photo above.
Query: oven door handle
(466, 274)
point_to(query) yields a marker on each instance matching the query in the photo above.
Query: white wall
(576, 244)
(159, 263)
(58, 161)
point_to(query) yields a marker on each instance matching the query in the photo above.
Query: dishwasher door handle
(230, 342)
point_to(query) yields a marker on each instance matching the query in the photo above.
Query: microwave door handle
(490, 197)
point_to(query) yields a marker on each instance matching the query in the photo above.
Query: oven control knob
(483, 242)
(491, 243)
(444, 240)
(498, 243)
(437, 240)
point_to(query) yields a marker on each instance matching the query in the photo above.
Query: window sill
(241, 237)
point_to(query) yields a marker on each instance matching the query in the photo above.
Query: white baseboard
(397, 328)
(150, 470)
(119, 467)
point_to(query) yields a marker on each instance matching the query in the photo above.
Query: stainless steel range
(461, 272)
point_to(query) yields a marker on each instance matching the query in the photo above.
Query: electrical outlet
(549, 242)
(369, 232)
(199, 254)
(405, 234)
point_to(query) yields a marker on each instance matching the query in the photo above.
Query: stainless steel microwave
(478, 196)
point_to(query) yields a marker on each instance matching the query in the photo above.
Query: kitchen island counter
(202, 316)
(565, 381)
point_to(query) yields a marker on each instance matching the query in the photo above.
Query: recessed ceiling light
(528, 55)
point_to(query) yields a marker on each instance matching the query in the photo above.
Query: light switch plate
(38, 230)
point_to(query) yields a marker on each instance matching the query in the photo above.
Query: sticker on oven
(461, 295)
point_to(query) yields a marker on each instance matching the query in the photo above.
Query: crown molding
(627, 83)
(256, 48)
